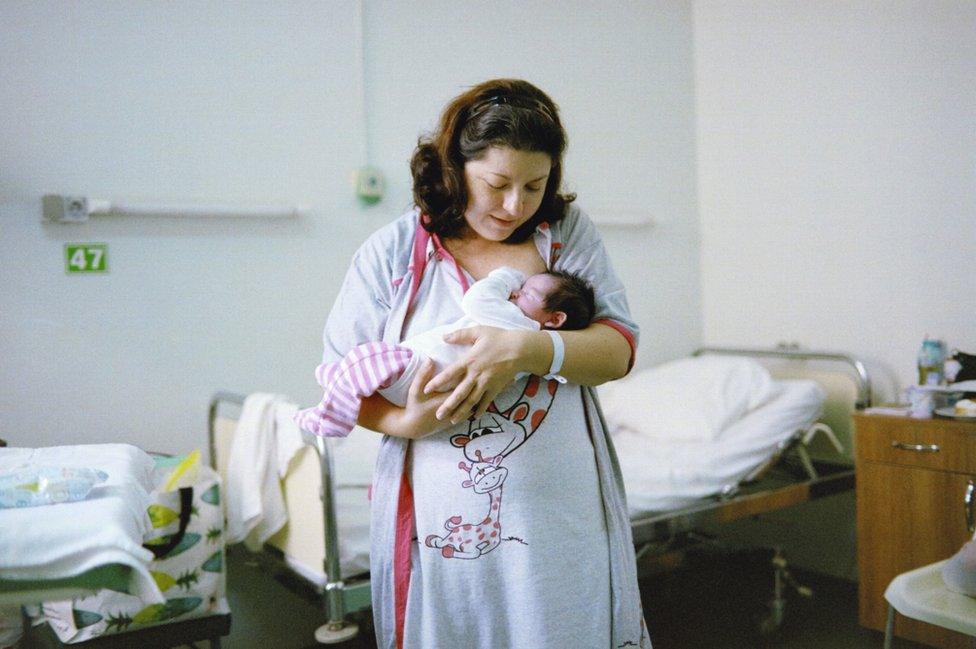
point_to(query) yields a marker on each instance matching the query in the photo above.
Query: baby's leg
(360, 373)
(397, 390)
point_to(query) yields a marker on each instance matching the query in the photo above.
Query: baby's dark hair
(573, 296)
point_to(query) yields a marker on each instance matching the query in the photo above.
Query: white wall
(259, 102)
(837, 191)
(837, 176)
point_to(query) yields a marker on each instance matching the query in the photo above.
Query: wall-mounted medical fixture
(76, 209)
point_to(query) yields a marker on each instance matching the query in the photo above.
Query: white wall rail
(59, 208)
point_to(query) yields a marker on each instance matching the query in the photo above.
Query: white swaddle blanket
(67, 539)
(265, 442)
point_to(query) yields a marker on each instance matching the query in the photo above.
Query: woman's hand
(416, 419)
(496, 356)
(419, 417)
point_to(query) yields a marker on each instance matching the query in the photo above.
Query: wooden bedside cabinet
(912, 480)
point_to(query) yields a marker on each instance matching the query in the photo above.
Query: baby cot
(326, 540)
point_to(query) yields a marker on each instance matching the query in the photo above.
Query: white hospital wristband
(558, 355)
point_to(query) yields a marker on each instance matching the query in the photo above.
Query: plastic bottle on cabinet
(931, 362)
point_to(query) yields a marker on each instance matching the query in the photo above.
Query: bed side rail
(335, 586)
(862, 378)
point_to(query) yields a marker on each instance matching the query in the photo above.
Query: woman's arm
(594, 355)
(415, 420)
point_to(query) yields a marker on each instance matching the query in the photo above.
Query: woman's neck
(479, 256)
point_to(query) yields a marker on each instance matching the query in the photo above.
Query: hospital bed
(795, 448)
(326, 540)
(70, 550)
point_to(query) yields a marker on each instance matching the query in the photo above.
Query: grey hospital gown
(511, 531)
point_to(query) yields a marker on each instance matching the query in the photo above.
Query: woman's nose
(514, 203)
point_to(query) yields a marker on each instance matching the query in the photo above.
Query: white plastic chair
(921, 594)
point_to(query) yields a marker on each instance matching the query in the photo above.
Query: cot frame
(339, 597)
(772, 486)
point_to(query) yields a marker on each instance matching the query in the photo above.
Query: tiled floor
(717, 603)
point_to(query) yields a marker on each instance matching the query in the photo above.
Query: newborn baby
(505, 299)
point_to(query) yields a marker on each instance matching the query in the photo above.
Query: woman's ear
(555, 321)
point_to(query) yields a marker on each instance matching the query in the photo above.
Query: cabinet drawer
(939, 444)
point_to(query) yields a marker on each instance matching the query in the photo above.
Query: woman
(453, 564)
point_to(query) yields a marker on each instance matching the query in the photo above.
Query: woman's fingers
(466, 336)
(482, 406)
(452, 375)
(467, 407)
(422, 377)
(451, 408)
(448, 378)
(477, 378)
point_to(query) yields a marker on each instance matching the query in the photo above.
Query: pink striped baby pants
(364, 370)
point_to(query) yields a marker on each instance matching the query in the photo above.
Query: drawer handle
(919, 448)
(970, 525)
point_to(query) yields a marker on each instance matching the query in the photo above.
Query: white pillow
(691, 399)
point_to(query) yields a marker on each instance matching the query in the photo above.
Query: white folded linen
(265, 442)
(67, 539)
(690, 399)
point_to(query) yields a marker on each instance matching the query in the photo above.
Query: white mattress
(302, 541)
(352, 510)
(661, 474)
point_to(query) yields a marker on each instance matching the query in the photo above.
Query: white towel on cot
(265, 442)
(66, 539)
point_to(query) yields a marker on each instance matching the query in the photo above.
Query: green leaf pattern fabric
(192, 576)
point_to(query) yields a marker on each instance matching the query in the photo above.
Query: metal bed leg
(777, 606)
(889, 627)
(337, 629)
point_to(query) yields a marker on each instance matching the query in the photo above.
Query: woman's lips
(503, 222)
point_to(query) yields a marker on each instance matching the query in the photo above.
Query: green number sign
(86, 257)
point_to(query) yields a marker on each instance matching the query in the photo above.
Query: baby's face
(531, 297)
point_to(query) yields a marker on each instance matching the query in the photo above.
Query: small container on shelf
(931, 362)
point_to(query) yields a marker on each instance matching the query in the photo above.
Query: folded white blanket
(265, 442)
(65, 540)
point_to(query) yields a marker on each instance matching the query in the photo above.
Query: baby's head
(556, 300)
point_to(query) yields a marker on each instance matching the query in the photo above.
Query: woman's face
(505, 188)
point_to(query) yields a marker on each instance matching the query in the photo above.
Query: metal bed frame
(788, 478)
(339, 596)
(776, 484)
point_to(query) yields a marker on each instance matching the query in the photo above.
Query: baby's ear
(556, 320)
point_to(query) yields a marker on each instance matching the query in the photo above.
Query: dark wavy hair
(574, 296)
(500, 112)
